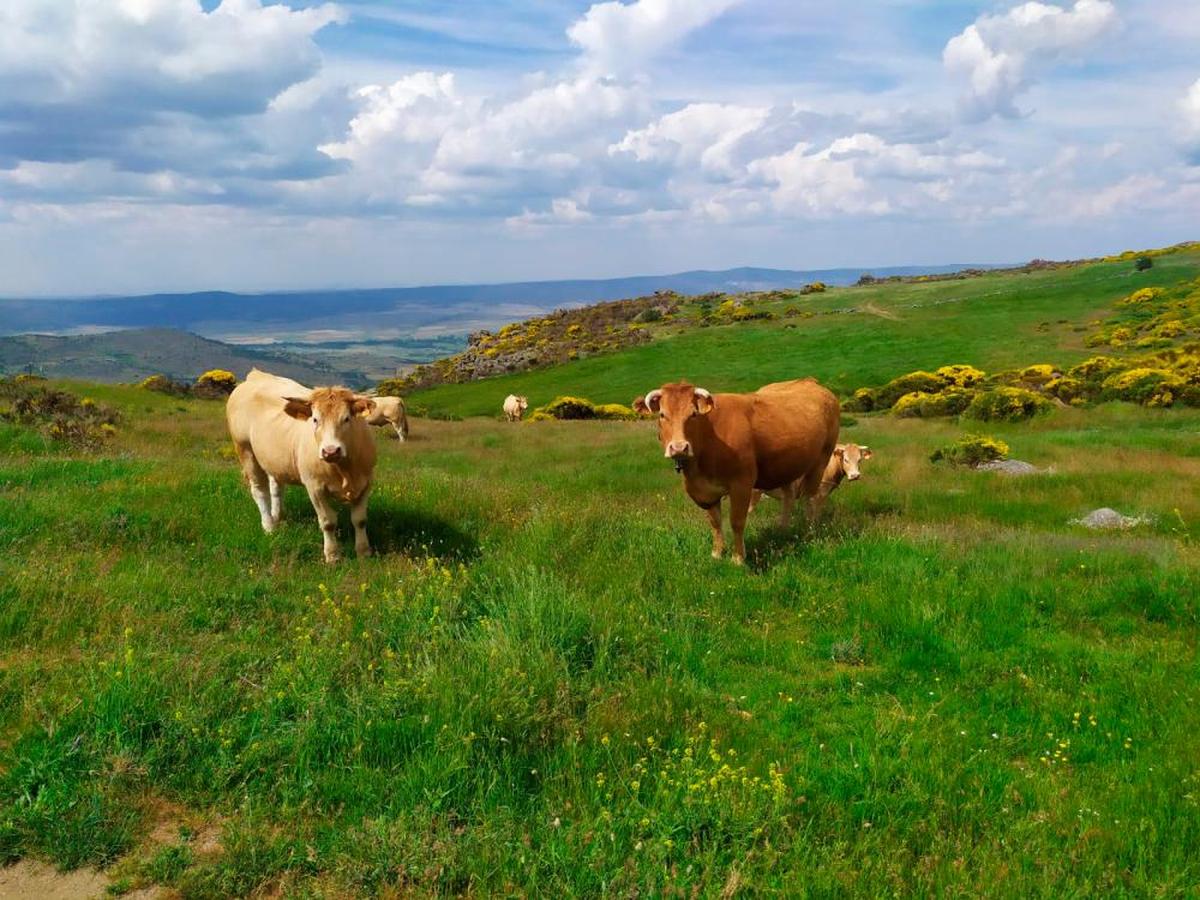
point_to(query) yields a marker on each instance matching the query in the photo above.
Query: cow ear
(640, 407)
(704, 401)
(362, 406)
(653, 401)
(297, 407)
(866, 452)
(839, 451)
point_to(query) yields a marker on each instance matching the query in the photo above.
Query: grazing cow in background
(390, 411)
(843, 464)
(729, 445)
(514, 407)
(285, 433)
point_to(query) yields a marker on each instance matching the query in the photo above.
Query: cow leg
(739, 508)
(788, 498)
(718, 535)
(358, 516)
(755, 496)
(256, 477)
(276, 499)
(399, 433)
(327, 519)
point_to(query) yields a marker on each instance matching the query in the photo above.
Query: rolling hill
(134, 354)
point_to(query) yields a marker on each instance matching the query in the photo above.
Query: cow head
(523, 402)
(675, 405)
(333, 413)
(852, 456)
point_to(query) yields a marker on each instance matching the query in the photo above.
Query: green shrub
(58, 415)
(1146, 386)
(971, 450)
(615, 411)
(922, 405)
(862, 401)
(161, 384)
(962, 376)
(816, 287)
(391, 387)
(748, 314)
(1142, 263)
(215, 384)
(886, 396)
(1065, 388)
(567, 408)
(1096, 369)
(1039, 374)
(1006, 404)
(652, 314)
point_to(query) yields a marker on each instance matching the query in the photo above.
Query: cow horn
(651, 398)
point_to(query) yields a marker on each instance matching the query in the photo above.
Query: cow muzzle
(332, 454)
(678, 450)
(853, 476)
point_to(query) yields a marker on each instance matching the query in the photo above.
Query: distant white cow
(286, 433)
(514, 407)
(390, 411)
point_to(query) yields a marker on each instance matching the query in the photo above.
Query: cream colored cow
(514, 407)
(390, 411)
(286, 433)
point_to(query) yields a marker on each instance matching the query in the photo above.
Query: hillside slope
(848, 337)
(137, 353)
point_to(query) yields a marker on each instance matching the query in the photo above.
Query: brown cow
(843, 465)
(731, 444)
(285, 433)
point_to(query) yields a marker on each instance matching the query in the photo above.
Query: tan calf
(285, 433)
(843, 465)
(514, 408)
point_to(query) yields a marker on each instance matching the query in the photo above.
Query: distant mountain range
(386, 312)
(133, 354)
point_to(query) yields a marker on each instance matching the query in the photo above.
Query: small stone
(1105, 519)
(1008, 467)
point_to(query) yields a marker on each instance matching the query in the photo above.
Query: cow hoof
(716, 554)
(365, 551)
(333, 560)
(739, 560)
(268, 526)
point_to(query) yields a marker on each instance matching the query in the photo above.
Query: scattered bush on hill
(971, 450)
(960, 376)
(1142, 263)
(886, 396)
(615, 412)
(922, 405)
(59, 415)
(1145, 386)
(161, 384)
(214, 384)
(577, 408)
(816, 287)
(1006, 404)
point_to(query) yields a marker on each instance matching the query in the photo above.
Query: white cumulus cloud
(999, 55)
(1189, 109)
(619, 37)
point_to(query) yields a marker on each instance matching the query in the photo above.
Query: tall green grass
(544, 685)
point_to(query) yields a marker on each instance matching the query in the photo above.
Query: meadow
(543, 685)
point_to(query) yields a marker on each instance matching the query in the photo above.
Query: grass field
(544, 686)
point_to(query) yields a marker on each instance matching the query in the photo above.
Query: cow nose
(853, 476)
(676, 449)
(331, 452)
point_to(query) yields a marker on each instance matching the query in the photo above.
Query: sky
(152, 145)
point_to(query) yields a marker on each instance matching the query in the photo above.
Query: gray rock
(1008, 467)
(1105, 519)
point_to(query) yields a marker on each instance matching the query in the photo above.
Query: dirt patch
(29, 880)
